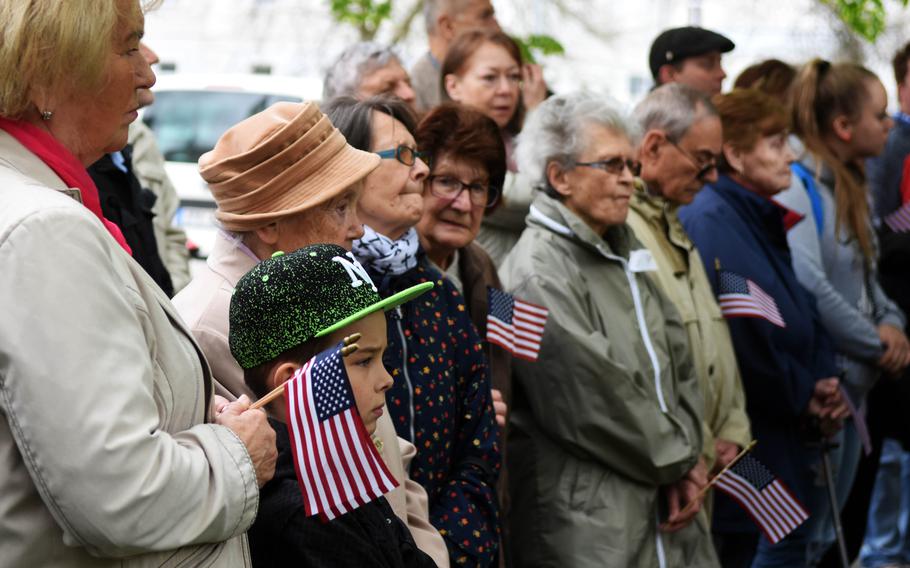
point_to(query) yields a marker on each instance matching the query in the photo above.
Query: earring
(46, 114)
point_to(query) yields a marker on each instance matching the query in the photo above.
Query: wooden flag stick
(714, 479)
(349, 347)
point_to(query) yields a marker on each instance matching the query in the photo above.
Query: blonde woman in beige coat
(113, 451)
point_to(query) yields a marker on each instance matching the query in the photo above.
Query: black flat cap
(676, 44)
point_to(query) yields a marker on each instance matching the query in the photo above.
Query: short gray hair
(673, 108)
(346, 74)
(556, 131)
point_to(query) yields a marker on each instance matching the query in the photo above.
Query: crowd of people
(718, 268)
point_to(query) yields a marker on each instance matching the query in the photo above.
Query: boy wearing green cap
(283, 312)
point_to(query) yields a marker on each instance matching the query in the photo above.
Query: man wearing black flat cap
(691, 56)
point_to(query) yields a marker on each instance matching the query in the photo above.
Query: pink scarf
(65, 165)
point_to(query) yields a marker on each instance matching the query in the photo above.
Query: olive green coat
(681, 275)
(610, 412)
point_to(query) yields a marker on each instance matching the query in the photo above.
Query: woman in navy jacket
(785, 356)
(441, 399)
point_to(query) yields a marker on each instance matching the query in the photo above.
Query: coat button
(710, 369)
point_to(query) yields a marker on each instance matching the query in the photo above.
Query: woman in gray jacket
(840, 116)
(606, 425)
(113, 451)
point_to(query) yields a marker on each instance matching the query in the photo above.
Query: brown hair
(900, 63)
(771, 76)
(465, 134)
(746, 116)
(354, 118)
(256, 378)
(821, 93)
(463, 48)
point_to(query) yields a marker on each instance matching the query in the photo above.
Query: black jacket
(127, 204)
(369, 536)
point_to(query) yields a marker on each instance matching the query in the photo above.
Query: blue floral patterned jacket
(441, 402)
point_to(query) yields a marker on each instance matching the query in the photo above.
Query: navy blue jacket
(441, 402)
(745, 234)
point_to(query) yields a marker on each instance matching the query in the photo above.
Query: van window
(188, 123)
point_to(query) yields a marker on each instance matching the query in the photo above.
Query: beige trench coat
(681, 275)
(106, 458)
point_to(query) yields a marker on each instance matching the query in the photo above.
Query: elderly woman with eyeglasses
(467, 167)
(606, 424)
(441, 399)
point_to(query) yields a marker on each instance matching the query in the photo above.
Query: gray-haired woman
(606, 425)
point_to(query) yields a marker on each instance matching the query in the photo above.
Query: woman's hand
(829, 406)
(681, 494)
(897, 349)
(253, 429)
(500, 408)
(533, 85)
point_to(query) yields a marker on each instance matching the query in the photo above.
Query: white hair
(557, 131)
(346, 74)
(673, 108)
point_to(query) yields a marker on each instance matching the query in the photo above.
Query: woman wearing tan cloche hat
(284, 179)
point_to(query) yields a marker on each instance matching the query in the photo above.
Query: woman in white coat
(113, 450)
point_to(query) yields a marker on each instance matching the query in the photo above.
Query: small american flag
(337, 465)
(740, 297)
(899, 221)
(515, 325)
(767, 500)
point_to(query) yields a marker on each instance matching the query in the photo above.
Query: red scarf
(65, 165)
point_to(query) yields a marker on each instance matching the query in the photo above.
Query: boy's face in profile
(369, 378)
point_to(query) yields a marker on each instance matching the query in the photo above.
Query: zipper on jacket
(659, 543)
(642, 327)
(404, 370)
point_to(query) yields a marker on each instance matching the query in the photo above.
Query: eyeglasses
(449, 188)
(404, 154)
(702, 171)
(614, 165)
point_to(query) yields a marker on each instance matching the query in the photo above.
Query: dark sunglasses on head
(614, 165)
(404, 154)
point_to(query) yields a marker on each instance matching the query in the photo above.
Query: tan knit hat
(283, 160)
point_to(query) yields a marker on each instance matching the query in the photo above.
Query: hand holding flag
(338, 467)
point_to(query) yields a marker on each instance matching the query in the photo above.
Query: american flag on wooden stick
(515, 325)
(899, 221)
(337, 465)
(740, 297)
(767, 500)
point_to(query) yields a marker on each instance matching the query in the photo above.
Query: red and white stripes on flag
(899, 221)
(515, 325)
(767, 500)
(338, 467)
(740, 297)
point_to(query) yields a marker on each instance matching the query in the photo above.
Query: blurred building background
(606, 42)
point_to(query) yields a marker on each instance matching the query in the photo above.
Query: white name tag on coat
(642, 260)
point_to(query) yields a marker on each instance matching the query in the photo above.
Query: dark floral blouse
(441, 402)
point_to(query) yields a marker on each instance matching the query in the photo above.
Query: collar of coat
(661, 218)
(550, 214)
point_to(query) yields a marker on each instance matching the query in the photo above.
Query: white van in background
(190, 114)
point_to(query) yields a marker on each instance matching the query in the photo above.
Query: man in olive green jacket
(682, 134)
(609, 417)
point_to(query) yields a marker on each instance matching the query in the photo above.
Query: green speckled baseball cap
(289, 299)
